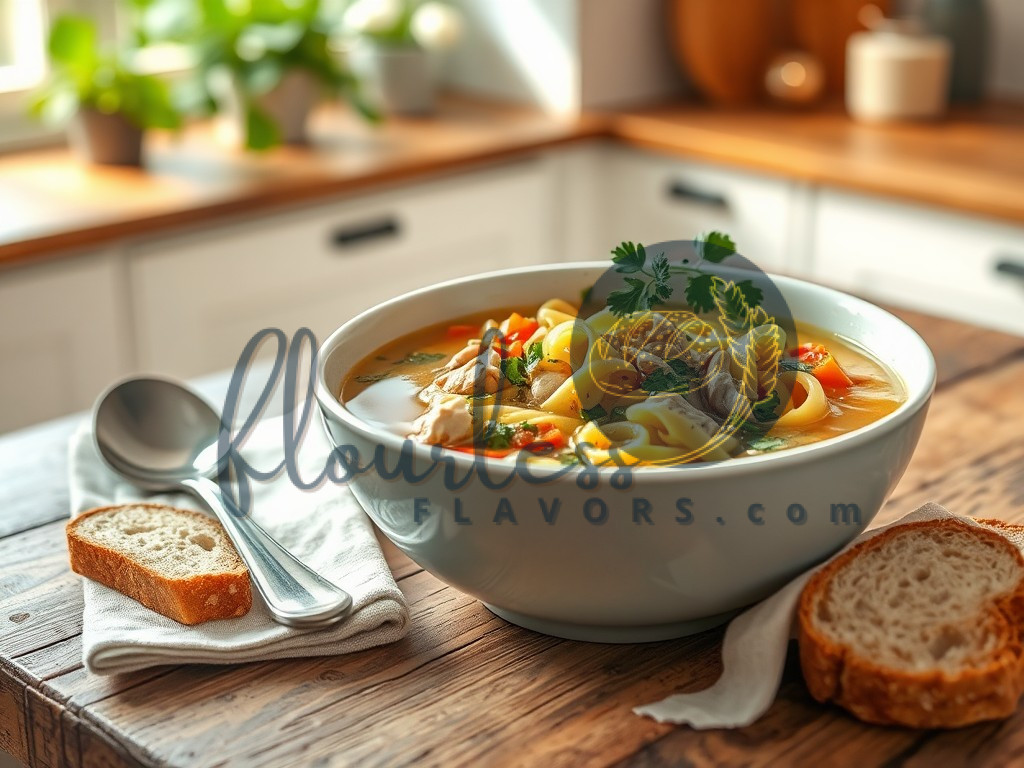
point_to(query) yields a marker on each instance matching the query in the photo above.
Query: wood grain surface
(53, 205)
(464, 687)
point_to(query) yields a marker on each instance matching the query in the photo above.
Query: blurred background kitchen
(177, 174)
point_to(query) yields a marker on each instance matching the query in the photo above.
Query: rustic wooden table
(464, 687)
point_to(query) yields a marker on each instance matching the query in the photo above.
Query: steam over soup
(648, 388)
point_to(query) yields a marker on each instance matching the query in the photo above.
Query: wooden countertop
(972, 162)
(51, 202)
(464, 687)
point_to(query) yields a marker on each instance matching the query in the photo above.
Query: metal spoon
(160, 435)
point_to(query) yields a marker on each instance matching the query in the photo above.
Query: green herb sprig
(647, 280)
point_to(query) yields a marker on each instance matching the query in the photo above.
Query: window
(22, 49)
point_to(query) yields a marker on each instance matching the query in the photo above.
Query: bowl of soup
(595, 468)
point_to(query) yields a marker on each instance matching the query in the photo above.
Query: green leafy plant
(85, 75)
(250, 47)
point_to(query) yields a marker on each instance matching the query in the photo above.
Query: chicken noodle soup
(655, 387)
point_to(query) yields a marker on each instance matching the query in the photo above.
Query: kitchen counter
(973, 162)
(464, 687)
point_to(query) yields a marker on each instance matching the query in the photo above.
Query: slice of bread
(177, 562)
(920, 626)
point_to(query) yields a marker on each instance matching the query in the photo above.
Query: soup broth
(544, 383)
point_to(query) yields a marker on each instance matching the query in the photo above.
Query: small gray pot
(403, 78)
(289, 104)
(106, 139)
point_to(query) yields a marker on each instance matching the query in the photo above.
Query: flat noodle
(674, 428)
(812, 409)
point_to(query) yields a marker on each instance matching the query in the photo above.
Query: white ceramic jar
(895, 73)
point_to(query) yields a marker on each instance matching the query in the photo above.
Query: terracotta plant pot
(106, 139)
(725, 47)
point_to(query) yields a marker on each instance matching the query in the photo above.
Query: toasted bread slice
(177, 562)
(920, 626)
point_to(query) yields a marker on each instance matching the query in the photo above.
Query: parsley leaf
(514, 369)
(534, 352)
(628, 301)
(568, 459)
(629, 257)
(370, 378)
(700, 293)
(500, 436)
(682, 378)
(715, 247)
(593, 414)
(528, 427)
(765, 443)
(618, 414)
(751, 293)
(764, 410)
(789, 364)
(420, 358)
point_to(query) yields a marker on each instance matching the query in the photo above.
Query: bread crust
(931, 699)
(192, 600)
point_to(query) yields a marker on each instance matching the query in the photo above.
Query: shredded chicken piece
(471, 370)
(645, 362)
(721, 394)
(447, 421)
(679, 404)
(544, 383)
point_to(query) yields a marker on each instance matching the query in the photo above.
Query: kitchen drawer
(199, 300)
(923, 258)
(654, 198)
(62, 336)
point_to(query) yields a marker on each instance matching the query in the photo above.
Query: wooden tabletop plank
(465, 687)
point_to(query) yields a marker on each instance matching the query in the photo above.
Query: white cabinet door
(199, 300)
(652, 198)
(63, 329)
(924, 258)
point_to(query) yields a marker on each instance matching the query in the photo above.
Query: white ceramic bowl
(620, 579)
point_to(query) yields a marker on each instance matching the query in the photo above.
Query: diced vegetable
(526, 329)
(824, 367)
(461, 331)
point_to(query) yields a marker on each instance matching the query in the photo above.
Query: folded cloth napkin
(325, 528)
(754, 654)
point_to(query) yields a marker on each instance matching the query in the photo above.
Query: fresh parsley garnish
(681, 378)
(593, 414)
(715, 247)
(618, 414)
(370, 378)
(420, 358)
(765, 443)
(528, 427)
(789, 364)
(647, 281)
(534, 352)
(764, 410)
(568, 459)
(514, 369)
(500, 435)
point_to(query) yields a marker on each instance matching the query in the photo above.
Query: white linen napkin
(754, 653)
(325, 528)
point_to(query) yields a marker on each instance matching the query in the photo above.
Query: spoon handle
(295, 594)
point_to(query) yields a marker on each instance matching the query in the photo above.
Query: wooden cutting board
(822, 28)
(725, 45)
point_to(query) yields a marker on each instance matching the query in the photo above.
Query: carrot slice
(824, 367)
(461, 331)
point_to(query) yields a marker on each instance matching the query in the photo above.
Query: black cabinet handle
(346, 237)
(679, 190)
(1011, 267)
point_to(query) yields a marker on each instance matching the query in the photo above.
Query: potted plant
(402, 39)
(110, 105)
(264, 64)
